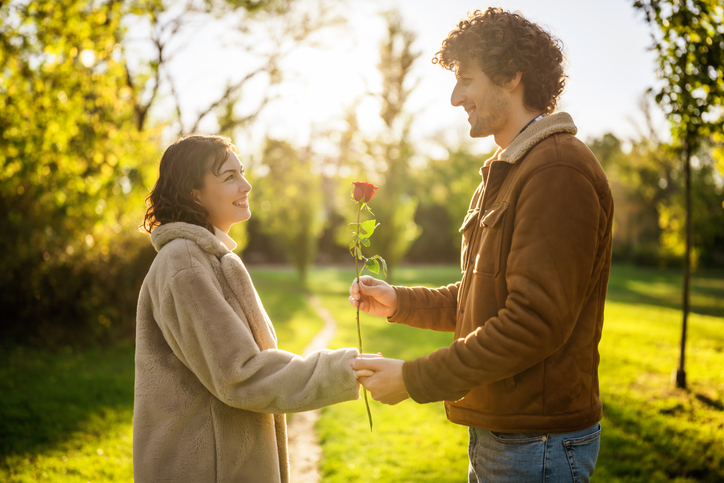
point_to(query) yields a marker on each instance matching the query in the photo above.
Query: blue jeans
(533, 457)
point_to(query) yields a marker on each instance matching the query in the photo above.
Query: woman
(211, 386)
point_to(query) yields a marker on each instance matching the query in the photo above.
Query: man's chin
(478, 133)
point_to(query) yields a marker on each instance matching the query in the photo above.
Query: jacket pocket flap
(494, 214)
(469, 218)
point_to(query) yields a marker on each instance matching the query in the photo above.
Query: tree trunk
(680, 372)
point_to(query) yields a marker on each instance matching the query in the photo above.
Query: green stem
(359, 330)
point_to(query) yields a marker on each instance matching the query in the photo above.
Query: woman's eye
(229, 178)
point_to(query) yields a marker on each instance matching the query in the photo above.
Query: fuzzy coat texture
(211, 385)
(528, 312)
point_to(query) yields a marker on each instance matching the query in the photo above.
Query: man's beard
(493, 120)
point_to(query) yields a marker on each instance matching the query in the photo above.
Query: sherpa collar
(201, 236)
(538, 131)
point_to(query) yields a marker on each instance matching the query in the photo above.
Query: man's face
(486, 103)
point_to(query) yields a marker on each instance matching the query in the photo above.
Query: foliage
(392, 150)
(689, 41)
(446, 184)
(291, 210)
(80, 141)
(649, 193)
(71, 168)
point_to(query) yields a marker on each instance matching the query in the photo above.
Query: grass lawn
(651, 431)
(66, 416)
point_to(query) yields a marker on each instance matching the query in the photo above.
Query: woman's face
(226, 196)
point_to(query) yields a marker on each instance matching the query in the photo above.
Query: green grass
(66, 416)
(651, 431)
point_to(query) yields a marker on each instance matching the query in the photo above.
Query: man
(527, 315)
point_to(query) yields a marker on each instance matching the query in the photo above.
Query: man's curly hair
(504, 44)
(182, 169)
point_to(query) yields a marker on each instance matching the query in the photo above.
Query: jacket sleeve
(558, 226)
(207, 335)
(427, 308)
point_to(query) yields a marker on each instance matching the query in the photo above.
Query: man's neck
(518, 121)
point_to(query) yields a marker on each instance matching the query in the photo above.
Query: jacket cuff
(404, 305)
(411, 374)
(347, 378)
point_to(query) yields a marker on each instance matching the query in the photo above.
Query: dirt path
(304, 449)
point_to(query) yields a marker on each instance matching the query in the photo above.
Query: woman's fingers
(364, 373)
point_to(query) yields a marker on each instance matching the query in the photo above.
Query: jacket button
(462, 310)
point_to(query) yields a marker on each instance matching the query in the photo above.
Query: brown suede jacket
(528, 312)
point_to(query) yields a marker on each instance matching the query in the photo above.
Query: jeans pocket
(582, 453)
(517, 438)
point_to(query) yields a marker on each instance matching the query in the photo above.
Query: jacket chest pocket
(489, 252)
(467, 229)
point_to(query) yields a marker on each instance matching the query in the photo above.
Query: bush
(81, 300)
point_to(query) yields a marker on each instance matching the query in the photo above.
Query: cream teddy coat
(211, 385)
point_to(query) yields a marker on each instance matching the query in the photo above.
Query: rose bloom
(363, 190)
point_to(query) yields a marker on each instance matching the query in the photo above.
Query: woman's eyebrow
(230, 170)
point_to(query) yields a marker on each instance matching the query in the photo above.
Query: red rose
(363, 190)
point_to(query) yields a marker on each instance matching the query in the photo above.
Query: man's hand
(374, 297)
(386, 385)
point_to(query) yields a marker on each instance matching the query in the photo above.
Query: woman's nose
(245, 185)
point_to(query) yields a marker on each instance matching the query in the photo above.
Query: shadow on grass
(640, 443)
(663, 287)
(47, 396)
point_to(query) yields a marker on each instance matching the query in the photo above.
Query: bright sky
(606, 43)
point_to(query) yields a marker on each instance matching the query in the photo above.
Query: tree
(71, 163)
(444, 187)
(688, 36)
(396, 206)
(81, 118)
(290, 210)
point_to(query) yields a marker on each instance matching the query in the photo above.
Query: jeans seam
(569, 457)
(545, 458)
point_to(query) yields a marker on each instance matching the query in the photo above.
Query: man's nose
(457, 98)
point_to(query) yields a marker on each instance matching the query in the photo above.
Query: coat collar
(560, 122)
(201, 236)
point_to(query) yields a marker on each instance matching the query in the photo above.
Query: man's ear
(513, 82)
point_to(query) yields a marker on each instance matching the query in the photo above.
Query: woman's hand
(373, 296)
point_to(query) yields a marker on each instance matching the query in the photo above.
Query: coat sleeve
(427, 308)
(208, 336)
(558, 226)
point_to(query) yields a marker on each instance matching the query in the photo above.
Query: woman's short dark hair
(183, 167)
(505, 43)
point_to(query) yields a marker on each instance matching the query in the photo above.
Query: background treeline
(83, 125)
